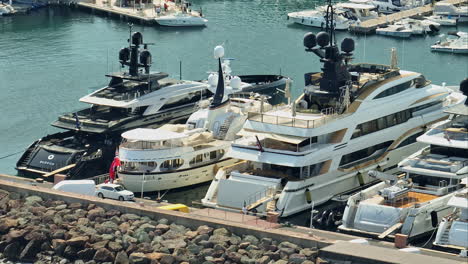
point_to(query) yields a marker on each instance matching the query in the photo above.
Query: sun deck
(409, 199)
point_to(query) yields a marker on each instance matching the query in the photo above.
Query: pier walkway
(330, 245)
(371, 25)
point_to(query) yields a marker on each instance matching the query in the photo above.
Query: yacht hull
(152, 182)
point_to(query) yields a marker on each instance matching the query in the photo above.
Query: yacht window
(382, 123)
(196, 160)
(185, 99)
(171, 164)
(428, 182)
(425, 106)
(410, 140)
(363, 155)
(213, 155)
(449, 151)
(395, 89)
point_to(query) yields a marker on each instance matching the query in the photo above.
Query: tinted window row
(395, 89)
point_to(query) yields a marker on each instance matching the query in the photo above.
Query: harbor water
(53, 56)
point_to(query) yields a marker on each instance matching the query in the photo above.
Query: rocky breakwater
(47, 231)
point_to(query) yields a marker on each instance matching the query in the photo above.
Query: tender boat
(181, 19)
(351, 118)
(459, 44)
(451, 11)
(452, 233)
(317, 18)
(400, 31)
(174, 156)
(133, 99)
(419, 27)
(443, 21)
(414, 203)
(6, 10)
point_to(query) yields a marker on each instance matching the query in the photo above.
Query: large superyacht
(351, 118)
(133, 98)
(414, 203)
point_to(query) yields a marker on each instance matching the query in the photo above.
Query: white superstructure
(414, 203)
(6, 9)
(358, 11)
(351, 118)
(174, 156)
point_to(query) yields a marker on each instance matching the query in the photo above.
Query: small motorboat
(6, 9)
(400, 31)
(182, 19)
(419, 27)
(316, 18)
(443, 21)
(453, 45)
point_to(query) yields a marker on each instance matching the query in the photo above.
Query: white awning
(147, 134)
(278, 137)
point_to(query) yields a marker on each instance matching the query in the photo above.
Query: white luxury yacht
(453, 229)
(414, 202)
(351, 118)
(317, 18)
(457, 44)
(174, 156)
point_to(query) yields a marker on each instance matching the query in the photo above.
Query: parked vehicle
(85, 187)
(114, 191)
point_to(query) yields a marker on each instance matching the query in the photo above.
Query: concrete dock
(331, 246)
(369, 26)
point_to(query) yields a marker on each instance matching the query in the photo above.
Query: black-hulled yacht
(133, 98)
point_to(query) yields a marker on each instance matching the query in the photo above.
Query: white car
(114, 191)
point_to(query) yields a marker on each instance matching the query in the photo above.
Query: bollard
(401, 241)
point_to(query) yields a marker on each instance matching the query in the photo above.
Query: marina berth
(133, 98)
(351, 118)
(175, 156)
(415, 202)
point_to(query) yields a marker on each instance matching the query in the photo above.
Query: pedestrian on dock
(165, 7)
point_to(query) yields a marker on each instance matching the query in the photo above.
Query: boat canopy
(147, 134)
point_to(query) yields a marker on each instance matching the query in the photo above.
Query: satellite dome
(310, 40)
(236, 82)
(323, 39)
(213, 79)
(145, 58)
(347, 45)
(137, 38)
(218, 52)
(124, 54)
